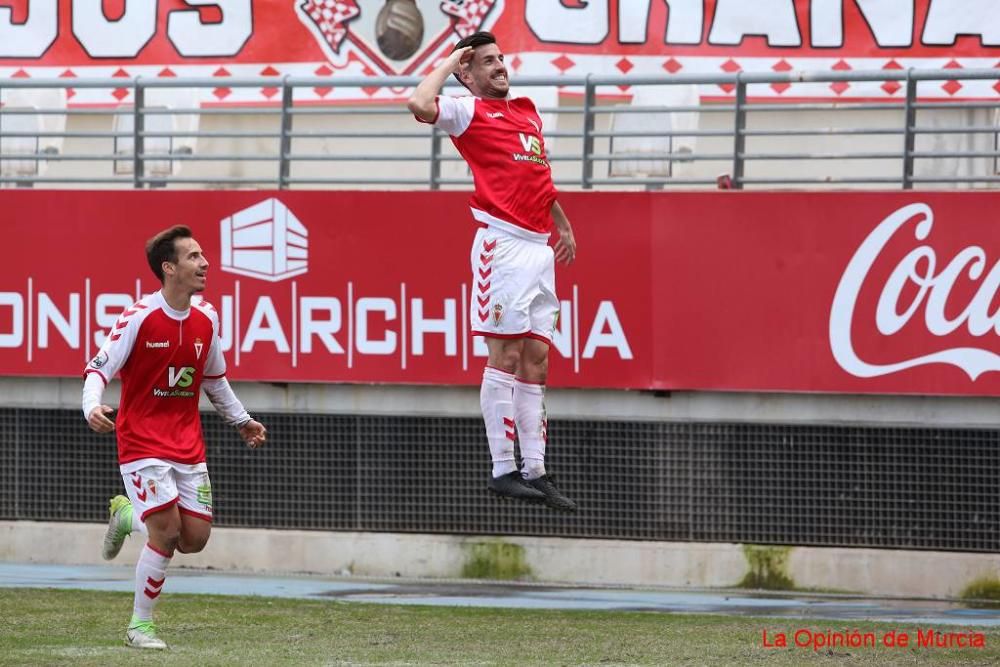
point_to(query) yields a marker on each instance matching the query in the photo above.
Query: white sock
(496, 397)
(532, 427)
(150, 573)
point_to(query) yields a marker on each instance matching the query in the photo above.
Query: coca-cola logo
(927, 291)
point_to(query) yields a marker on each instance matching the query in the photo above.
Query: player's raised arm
(422, 103)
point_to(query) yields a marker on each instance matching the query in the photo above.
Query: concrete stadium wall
(938, 411)
(551, 560)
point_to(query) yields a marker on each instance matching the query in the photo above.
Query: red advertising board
(817, 292)
(239, 38)
(350, 287)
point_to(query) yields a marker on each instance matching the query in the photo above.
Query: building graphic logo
(264, 241)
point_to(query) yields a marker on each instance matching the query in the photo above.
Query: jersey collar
(171, 312)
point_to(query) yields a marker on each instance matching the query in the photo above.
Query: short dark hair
(481, 38)
(161, 248)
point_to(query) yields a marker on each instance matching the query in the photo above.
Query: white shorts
(513, 285)
(156, 484)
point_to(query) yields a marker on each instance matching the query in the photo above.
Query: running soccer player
(167, 348)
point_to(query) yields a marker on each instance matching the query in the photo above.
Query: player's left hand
(253, 433)
(566, 246)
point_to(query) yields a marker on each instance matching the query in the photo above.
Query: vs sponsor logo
(532, 146)
(180, 377)
(530, 143)
(179, 381)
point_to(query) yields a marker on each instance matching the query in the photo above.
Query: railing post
(1, 130)
(739, 137)
(138, 141)
(909, 136)
(589, 98)
(285, 143)
(435, 176)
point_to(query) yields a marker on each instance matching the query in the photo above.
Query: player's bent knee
(192, 546)
(194, 535)
(165, 541)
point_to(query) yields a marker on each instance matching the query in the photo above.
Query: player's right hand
(98, 419)
(461, 56)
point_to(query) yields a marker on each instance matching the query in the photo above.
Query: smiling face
(189, 273)
(485, 74)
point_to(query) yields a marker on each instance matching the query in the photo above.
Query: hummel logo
(495, 114)
(154, 344)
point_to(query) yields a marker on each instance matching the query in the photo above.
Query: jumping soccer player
(514, 304)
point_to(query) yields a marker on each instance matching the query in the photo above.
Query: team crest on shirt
(198, 346)
(497, 313)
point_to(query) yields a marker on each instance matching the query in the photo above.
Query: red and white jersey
(501, 140)
(162, 355)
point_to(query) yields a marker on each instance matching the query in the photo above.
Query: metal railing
(741, 142)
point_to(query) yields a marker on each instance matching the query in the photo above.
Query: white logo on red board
(264, 241)
(398, 36)
(918, 271)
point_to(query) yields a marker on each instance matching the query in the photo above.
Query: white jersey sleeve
(224, 401)
(93, 391)
(455, 113)
(215, 364)
(215, 384)
(118, 344)
(113, 355)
